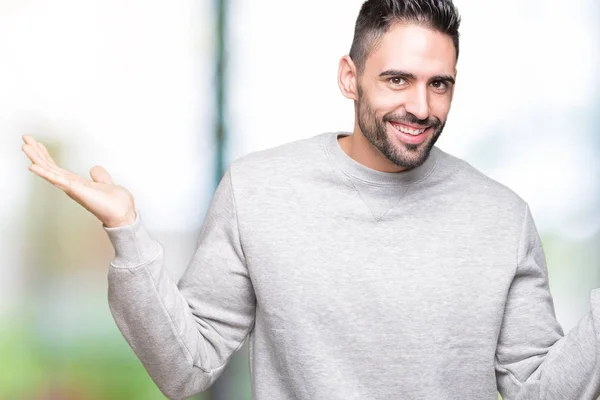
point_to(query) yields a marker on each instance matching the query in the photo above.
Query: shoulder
(282, 160)
(480, 189)
(286, 152)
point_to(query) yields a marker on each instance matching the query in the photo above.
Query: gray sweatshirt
(352, 283)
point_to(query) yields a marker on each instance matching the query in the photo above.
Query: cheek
(387, 102)
(384, 99)
(440, 106)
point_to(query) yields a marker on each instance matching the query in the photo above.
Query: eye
(440, 86)
(397, 81)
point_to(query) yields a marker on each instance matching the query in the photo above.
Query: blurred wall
(124, 84)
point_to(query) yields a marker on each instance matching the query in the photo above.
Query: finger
(57, 180)
(45, 154)
(50, 172)
(34, 154)
(33, 144)
(101, 175)
(27, 139)
(40, 149)
(59, 174)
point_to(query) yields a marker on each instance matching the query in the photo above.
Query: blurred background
(165, 94)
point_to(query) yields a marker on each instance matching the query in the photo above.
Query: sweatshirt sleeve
(534, 359)
(183, 334)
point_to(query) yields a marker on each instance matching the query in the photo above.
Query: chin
(409, 155)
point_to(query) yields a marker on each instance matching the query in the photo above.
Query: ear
(347, 78)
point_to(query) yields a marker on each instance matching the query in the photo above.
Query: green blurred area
(30, 369)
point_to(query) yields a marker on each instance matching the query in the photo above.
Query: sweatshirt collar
(353, 168)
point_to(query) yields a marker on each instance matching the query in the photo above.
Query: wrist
(129, 219)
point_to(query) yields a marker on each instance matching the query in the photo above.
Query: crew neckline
(356, 170)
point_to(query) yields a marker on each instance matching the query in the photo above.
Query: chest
(421, 275)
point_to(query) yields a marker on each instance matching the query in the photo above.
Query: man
(370, 265)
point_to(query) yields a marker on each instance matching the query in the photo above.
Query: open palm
(113, 205)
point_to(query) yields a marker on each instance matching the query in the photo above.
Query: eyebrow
(408, 75)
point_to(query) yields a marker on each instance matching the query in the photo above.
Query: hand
(113, 205)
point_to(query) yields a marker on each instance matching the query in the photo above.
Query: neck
(357, 147)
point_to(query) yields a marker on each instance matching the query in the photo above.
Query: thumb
(100, 175)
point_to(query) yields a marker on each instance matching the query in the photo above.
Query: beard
(406, 155)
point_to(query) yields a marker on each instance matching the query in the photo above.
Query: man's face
(405, 91)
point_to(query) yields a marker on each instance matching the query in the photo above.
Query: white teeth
(413, 132)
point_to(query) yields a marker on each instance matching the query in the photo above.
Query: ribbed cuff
(132, 243)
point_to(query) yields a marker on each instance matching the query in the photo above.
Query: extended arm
(183, 334)
(534, 360)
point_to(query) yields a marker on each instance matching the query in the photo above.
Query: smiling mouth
(408, 130)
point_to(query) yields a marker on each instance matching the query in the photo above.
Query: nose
(417, 102)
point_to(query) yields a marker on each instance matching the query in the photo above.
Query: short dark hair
(377, 16)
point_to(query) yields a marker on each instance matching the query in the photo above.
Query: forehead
(414, 49)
